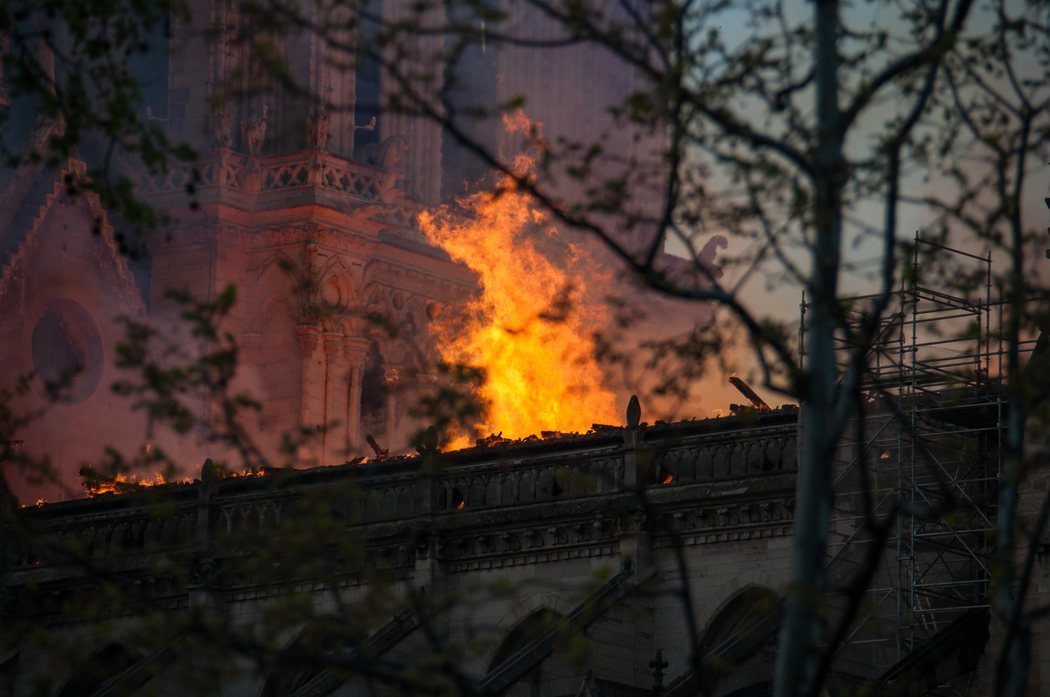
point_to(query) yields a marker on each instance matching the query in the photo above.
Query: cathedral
(305, 205)
(638, 560)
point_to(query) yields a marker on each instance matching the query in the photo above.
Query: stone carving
(255, 132)
(391, 152)
(206, 572)
(221, 134)
(318, 122)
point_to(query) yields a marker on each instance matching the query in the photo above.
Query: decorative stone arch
(420, 317)
(548, 668)
(529, 606)
(531, 627)
(752, 597)
(275, 306)
(271, 269)
(272, 283)
(335, 285)
(377, 309)
(742, 629)
(272, 303)
(720, 600)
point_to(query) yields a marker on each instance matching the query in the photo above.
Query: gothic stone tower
(306, 208)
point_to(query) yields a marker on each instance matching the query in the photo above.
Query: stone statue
(221, 128)
(255, 132)
(389, 160)
(318, 121)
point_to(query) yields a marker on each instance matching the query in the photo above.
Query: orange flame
(531, 329)
(122, 483)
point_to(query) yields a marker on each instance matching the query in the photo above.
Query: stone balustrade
(226, 169)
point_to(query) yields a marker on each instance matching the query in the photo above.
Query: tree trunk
(796, 658)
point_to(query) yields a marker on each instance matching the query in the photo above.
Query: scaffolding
(922, 452)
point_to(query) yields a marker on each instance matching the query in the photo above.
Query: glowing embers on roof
(98, 484)
(531, 328)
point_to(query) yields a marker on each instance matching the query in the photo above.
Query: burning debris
(381, 453)
(757, 403)
(96, 483)
(493, 439)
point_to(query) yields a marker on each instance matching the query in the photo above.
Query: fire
(99, 485)
(531, 329)
(122, 483)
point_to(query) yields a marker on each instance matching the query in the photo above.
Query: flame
(538, 357)
(122, 483)
(251, 472)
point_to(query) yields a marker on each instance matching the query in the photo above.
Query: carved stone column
(336, 388)
(355, 353)
(311, 389)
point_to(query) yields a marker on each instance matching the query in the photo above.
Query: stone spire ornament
(634, 413)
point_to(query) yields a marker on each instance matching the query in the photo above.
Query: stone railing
(716, 459)
(501, 484)
(398, 490)
(104, 527)
(226, 169)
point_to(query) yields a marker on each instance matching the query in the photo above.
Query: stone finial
(634, 413)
